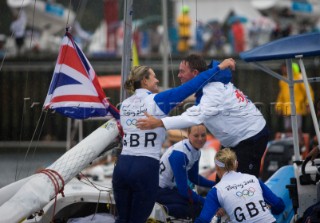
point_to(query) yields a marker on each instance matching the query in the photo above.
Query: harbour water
(16, 164)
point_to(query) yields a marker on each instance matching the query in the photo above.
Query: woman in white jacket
(136, 174)
(244, 197)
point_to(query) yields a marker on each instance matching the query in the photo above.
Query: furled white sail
(40, 189)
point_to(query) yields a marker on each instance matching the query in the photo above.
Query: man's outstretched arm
(192, 116)
(149, 123)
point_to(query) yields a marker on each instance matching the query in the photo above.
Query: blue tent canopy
(285, 48)
(298, 46)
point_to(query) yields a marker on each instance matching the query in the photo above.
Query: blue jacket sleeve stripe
(178, 161)
(276, 203)
(197, 179)
(168, 99)
(210, 207)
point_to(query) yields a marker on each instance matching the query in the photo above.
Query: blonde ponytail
(136, 75)
(226, 159)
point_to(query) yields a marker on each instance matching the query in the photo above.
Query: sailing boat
(80, 199)
(296, 184)
(54, 194)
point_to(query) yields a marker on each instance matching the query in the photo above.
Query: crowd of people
(233, 35)
(136, 175)
(236, 33)
(144, 176)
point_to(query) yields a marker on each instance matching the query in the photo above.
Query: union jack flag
(74, 89)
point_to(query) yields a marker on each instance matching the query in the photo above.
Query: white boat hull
(50, 17)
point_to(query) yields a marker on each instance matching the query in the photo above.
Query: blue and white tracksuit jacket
(136, 174)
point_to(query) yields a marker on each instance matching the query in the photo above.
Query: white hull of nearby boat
(34, 194)
(51, 17)
(83, 201)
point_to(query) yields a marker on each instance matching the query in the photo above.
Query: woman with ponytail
(244, 197)
(136, 174)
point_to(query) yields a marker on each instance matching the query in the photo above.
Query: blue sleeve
(210, 208)
(197, 179)
(168, 99)
(178, 162)
(276, 203)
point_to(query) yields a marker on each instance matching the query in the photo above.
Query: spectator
(216, 40)
(155, 39)
(238, 33)
(18, 28)
(200, 29)
(283, 104)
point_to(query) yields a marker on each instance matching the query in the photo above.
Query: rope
(54, 176)
(29, 147)
(85, 180)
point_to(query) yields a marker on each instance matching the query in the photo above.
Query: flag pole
(127, 46)
(165, 75)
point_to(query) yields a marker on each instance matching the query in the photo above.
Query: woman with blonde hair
(136, 174)
(243, 197)
(179, 165)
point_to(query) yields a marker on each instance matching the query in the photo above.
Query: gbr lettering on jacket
(133, 140)
(251, 208)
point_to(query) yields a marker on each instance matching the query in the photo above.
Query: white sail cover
(40, 189)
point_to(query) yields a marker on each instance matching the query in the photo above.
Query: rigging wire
(25, 93)
(27, 74)
(18, 172)
(41, 128)
(110, 206)
(68, 17)
(181, 131)
(20, 165)
(38, 139)
(80, 9)
(196, 43)
(85, 180)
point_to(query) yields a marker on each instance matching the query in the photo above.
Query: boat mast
(165, 45)
(127, 46)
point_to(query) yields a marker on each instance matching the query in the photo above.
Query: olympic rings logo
(131, 122)
(246, 192)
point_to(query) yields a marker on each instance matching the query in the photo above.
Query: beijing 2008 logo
(246, 192)
(131, 121)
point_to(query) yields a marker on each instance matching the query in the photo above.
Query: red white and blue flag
(74, 90)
